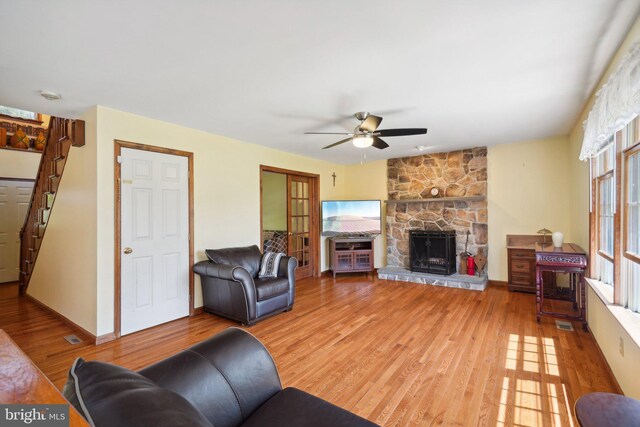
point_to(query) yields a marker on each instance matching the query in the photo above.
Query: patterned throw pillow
(269, 264)
(274, 241)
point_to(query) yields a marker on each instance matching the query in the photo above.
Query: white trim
(629, 320)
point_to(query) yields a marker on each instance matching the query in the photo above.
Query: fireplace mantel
(438, 199)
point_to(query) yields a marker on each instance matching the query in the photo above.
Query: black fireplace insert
(432, 251)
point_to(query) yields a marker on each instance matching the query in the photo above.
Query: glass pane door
(299, 222)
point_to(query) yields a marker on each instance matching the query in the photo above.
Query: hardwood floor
(399, 354)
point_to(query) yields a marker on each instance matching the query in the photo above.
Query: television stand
(351, 254)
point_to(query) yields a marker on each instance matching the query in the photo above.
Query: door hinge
(119, 159)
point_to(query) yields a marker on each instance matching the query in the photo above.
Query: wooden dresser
(521, 261)
(22, 382)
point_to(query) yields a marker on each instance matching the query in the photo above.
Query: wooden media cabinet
(351, 254)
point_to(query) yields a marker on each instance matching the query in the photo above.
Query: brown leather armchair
(231, 287)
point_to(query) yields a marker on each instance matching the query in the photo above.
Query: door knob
(127, 250)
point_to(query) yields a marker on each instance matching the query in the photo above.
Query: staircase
(61, 135)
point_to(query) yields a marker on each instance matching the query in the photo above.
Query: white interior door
(14, 204)
(154, 239)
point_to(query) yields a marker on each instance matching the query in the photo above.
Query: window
(615, 232)
(20, 114)
(630, 265)
(604, 164)
(632, 203)
(605, 215)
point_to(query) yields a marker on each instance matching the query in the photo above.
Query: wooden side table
(607, 410)
(572, 259)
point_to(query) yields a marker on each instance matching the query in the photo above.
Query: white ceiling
(473, 72)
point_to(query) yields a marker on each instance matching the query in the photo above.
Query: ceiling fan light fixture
(362, 141)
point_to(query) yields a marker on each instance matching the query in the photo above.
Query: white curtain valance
(617, 103)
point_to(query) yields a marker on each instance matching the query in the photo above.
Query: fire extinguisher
(471, 263)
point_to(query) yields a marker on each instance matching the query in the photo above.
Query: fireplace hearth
(432, 251)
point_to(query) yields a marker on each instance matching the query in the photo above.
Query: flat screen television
(351, 217)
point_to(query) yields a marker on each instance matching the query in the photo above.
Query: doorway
(153, 245)
(15, 197)
(289, 220)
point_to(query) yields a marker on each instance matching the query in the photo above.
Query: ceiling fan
(367, 134)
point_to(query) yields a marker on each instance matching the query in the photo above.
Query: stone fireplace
(460, 205)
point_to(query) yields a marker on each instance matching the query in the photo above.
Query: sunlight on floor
(528, 389)
(550, 359)
(512, 352)
(530, 355)
(528, 404)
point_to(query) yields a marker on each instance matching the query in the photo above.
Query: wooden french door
(299, 204)
(299, 218)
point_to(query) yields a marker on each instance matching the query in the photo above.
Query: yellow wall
(369, 181)
(64, 277)
(18, 164)
(606, 329)
(580, 187)
(274, 201)
(528, 189)
(226, 189)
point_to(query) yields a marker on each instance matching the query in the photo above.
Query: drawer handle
(520, 265)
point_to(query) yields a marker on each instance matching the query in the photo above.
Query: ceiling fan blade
(329, 133)
(338, 143)
(401, 132)
(378, 143)
(371, 123)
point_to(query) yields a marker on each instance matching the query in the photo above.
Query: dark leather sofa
(228, 380)
(231, 287)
